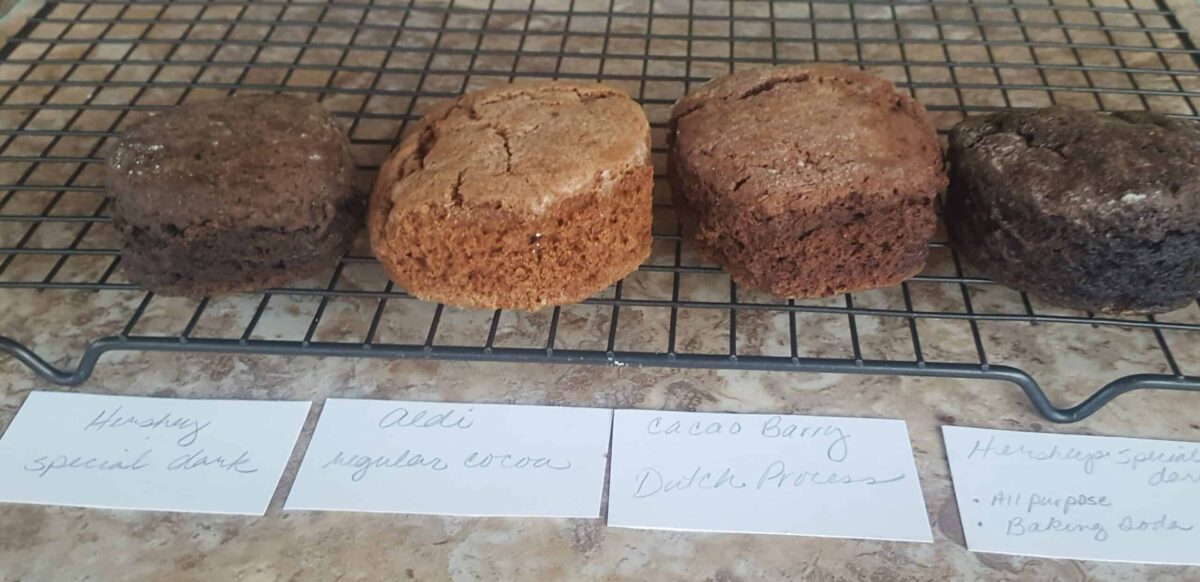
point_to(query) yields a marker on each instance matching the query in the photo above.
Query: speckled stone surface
(1071, 361)
(65, 543)
(6, 5)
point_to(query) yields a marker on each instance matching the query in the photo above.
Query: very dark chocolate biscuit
(233, 195)
(1081, 209)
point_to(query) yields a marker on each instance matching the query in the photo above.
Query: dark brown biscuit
(233, 195)
(517, 197)
(1081, 209)
(806, 180)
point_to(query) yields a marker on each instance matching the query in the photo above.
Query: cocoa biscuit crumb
(517, 197)
(806, 180)
(233, 195)
(1099, 212)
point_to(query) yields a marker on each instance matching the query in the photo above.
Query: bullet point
(975, 500)
(980, 524)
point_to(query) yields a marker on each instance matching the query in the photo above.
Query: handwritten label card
(1079, 497)
(455, 459)
(762, 473)
(124, 452)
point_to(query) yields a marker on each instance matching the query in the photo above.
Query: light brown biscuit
(517, 197)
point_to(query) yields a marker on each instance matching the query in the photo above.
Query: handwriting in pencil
(772, 427)
(402, 417)
(45, 464)
(199, 459)
(115, 419)
(478, 460)
(361, 464)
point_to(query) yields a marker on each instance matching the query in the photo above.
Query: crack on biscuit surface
(772, 83)
(456, 192)
(506, 139)
(1031, 139)
(585, 95)
(425, 144)
(758, 89)
(591, 97)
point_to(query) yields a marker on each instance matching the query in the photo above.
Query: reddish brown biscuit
(233, 195)
(806, 181)
(517, 197)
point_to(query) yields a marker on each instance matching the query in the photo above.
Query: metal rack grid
(80, 71)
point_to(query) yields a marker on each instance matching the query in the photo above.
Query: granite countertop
(58, 543)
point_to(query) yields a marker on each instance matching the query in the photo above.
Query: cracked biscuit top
(521, 148)
(805, 138)
(1047, 162)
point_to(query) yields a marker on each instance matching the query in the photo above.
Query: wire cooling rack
(78, 72)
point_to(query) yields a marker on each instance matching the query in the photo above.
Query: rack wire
(78, 72)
